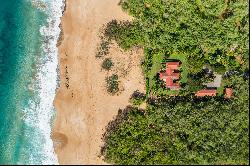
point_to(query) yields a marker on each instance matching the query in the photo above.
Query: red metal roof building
(170, 75)
(212, 92)
(228, 92)
(173, 65)
(206, 92)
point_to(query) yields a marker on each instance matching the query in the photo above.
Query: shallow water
(28, 65)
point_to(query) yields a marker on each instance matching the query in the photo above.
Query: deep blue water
(20, 54)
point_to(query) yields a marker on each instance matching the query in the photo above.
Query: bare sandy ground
(83, 106)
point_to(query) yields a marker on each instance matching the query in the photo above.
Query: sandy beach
(83, 105)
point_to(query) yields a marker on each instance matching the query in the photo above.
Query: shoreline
(48, 71)
(83, 107)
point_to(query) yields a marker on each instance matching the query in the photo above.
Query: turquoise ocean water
(28, 65)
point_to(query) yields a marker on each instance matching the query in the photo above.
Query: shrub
(103, 49)
(112, 84)
(137, 98)
(107, 64)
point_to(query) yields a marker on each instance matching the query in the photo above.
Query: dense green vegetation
(205, 32)
(184, 129)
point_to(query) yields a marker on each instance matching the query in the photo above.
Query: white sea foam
(40, 112)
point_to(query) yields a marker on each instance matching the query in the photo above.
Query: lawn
(156, 67)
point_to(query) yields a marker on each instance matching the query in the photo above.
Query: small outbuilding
(228, 92)
(206, 92)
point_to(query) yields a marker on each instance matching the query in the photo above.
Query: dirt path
(83, 106)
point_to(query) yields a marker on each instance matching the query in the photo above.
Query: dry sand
(85, 108)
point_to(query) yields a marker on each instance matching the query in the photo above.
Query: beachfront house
(171, 75)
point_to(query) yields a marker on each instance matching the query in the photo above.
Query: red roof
(229, 93)
(169, 71)
(176, 86)
(170, 75)
(206, 92)
(171, 85)
(162, 75)
(173, 65)
(169, 81)
(175, 76)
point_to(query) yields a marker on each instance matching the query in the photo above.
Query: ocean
(29, 30)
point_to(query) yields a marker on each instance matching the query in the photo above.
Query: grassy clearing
(220, 91)
(172, 92)
(157, 65)
(183, 71)
(155, 68)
